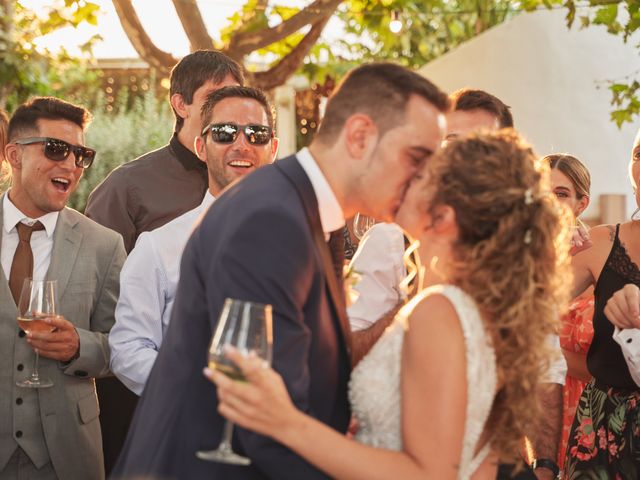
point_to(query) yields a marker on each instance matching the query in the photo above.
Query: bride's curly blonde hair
(512, 258)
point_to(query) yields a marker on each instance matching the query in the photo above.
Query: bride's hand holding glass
(261, 404)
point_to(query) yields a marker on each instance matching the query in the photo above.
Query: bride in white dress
(449, 387)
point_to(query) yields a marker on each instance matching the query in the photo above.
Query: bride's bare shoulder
(434, 317)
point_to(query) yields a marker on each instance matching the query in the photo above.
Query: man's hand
(623, 308)
(61, 343)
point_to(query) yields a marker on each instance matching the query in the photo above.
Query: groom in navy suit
(264, 240)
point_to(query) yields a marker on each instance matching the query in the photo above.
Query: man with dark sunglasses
(237, 139)
(152, 190)
(53, 432)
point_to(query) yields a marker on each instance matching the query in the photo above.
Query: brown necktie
(22, 265)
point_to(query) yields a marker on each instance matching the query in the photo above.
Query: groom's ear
(360, 135)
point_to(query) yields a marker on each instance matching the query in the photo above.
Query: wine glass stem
(225, 444)
(34, 375)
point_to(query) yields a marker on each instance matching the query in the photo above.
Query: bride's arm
(434, 405)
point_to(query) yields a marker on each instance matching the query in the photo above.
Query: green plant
(121, 134)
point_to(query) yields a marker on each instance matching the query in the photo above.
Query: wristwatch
(548, 464)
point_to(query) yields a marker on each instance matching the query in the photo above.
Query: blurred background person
(571, 184)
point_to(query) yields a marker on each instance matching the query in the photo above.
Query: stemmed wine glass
(361, 224)
(248, 327)
(38, 300)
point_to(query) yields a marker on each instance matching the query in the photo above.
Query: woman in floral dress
(571, 183)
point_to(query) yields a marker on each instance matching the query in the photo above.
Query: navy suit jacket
(260, 241)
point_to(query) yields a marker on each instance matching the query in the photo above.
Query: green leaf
(606, 15)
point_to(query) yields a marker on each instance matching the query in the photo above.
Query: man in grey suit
(53, 432)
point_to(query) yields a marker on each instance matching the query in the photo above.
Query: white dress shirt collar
(12, 216)
(207, 200)
(331, 214)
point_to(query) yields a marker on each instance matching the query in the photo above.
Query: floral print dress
(575, 336)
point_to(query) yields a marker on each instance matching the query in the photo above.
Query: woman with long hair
(454, 376)
(571, 184)
(604, 441)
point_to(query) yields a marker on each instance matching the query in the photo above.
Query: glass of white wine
(361, 224)
(38, 300)
(248, 327)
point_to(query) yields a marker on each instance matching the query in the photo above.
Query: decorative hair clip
(527, 237)
(528, 196)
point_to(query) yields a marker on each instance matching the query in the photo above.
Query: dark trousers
(505, 472)
(117, 404)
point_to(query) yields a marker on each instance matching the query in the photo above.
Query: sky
(159, 19)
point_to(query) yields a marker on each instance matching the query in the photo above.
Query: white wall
(554, 80)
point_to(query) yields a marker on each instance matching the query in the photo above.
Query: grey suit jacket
(60, 423)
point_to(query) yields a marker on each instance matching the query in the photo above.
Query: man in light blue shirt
(237, 138)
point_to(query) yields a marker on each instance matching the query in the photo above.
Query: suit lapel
(66, 245)
(294, 172)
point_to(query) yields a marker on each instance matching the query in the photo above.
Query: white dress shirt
(41, 240)
(331, 214)
(379, 263)
(148, 284)
(557, 372)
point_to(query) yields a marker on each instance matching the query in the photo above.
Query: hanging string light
(395, 25)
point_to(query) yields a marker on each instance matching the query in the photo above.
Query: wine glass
(248, 327)
(362, 223)
(38, 300)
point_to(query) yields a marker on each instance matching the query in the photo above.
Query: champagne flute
(248, 327)
(361, 224)
(38, 300)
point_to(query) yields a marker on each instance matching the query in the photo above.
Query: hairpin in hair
(528, 196)
(527, 237)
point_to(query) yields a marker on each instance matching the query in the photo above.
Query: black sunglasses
(228, 132)
(58, 150)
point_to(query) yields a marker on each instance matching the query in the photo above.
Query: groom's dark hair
(381, 91)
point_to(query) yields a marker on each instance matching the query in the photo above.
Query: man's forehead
(233, 108)
(59, 128)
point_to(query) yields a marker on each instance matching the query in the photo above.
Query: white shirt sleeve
(629, 341)
(379, 263)
(557, 372)
(137, 333)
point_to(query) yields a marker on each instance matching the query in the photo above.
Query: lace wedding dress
(374, 389)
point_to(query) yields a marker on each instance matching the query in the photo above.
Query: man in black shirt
(155, 188)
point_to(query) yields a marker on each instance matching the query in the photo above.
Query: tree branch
(280, 72)
(246, 42)
(138, 37)
(194, 27)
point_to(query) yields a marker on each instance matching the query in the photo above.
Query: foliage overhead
(26, 70)
(290, 38)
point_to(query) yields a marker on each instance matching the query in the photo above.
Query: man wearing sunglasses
(237, 138)
(265, 240)
(53, 432)
(152, 190)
